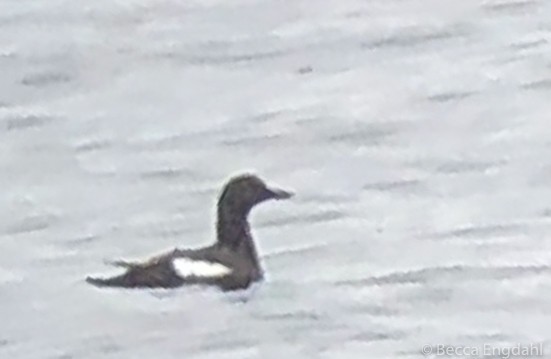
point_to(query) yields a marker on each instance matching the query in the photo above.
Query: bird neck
(233, 233)
(233, 230)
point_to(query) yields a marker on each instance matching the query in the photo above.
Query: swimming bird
(231, 263)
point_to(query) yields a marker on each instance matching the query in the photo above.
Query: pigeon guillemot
(231, 263)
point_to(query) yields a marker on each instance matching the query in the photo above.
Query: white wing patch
(186, 267)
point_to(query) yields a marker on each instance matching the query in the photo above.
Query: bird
(231, 263)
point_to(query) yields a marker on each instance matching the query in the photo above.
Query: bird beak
(277, 193)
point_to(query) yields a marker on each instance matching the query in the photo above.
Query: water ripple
(167, 173)
(479, 231)
(45, 79)
(365, 134)
(31, 224)
(465, 166)
(323, 216)
(410, 37)
(222, 341)
(25, 121)
(544, 84)
(394, 186)
(510, 6)
(372, 336)
(465, 272)
(373, 310)
(298, 315)
(253, 141)
(221, 58)
(92, 145)
(450, 96)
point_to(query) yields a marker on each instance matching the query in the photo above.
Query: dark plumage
(230, 263)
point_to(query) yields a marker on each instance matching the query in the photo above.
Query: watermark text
(518, 350)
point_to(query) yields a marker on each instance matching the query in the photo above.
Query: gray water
(415, 133)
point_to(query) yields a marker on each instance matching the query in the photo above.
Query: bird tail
(122, 264)
(118, 281)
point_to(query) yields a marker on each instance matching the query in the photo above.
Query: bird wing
(156, 272)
